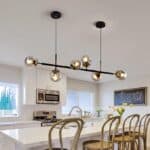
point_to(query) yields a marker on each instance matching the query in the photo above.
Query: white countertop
(18, 123)
(30, 137)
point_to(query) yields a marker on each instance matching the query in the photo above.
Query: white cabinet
(29, 85)
(40, 78)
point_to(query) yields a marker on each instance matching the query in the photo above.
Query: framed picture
(135, 96)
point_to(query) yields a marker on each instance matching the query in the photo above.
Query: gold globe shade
(30, 61)
(120, 74)
(96, 76)
(55, 75)
(86, 62)
(75, 64)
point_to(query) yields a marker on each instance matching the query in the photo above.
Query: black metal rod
(81, 69)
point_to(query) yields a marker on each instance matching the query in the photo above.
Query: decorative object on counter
(98, 112)
(136, 96)
(119, 109)
(75, 64)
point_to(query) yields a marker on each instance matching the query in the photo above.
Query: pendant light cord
(55, 43)
(100, 47)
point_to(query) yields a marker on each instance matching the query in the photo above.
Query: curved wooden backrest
(130, 124)
(144, 123)
(111, 126)
(60, 126)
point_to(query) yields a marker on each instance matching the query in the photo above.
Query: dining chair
(75, 123)
(126, 138)
(109, 129)
(143, 130)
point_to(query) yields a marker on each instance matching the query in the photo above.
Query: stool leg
(144, 143)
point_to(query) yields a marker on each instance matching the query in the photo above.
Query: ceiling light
(30, 61)
(86, 62)
(75, 64)
(120, 74)
(96, 76)
(55, 75)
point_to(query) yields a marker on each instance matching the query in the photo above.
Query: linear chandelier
(82, 65)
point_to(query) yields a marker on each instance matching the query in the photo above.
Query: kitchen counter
(30, 138)
(19, 124)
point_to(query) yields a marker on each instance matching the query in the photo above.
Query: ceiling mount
(55, 14)
(100, 24)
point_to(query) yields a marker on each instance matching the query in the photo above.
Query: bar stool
(126, 139)
(105, 142)
(77, 122)
(143, 130)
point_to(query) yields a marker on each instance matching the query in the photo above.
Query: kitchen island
(37, 138)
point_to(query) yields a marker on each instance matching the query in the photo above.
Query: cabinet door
(29, 85)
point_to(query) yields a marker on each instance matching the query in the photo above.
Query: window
(8, 99)
(83, 99)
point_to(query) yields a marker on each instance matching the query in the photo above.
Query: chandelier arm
(81, 69)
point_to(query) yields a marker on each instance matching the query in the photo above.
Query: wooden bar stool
(77, 122)
(105, 142)
(143, 130)
(126, 139)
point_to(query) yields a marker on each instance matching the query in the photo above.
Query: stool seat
(101, 145)
(123, 138)
(57, 149)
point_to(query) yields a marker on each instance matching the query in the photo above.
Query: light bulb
(30, 61)
(55, 75)
(86, 61)
(75, 64)
(96, 76)
(120, 74)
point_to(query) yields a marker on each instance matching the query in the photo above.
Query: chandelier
(82, 65)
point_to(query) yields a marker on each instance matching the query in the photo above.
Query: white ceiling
(27, 30)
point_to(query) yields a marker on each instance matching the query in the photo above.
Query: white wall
(40, 79)
(79, 85)
(106, 93)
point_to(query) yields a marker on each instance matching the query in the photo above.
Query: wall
(79, 85)
(40, 79)
(106, 95)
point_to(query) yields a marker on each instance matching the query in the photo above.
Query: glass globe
(75, 64)
(30, 61)
(120, 74)
(96, 76)
(86, 61)
(55, 75)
